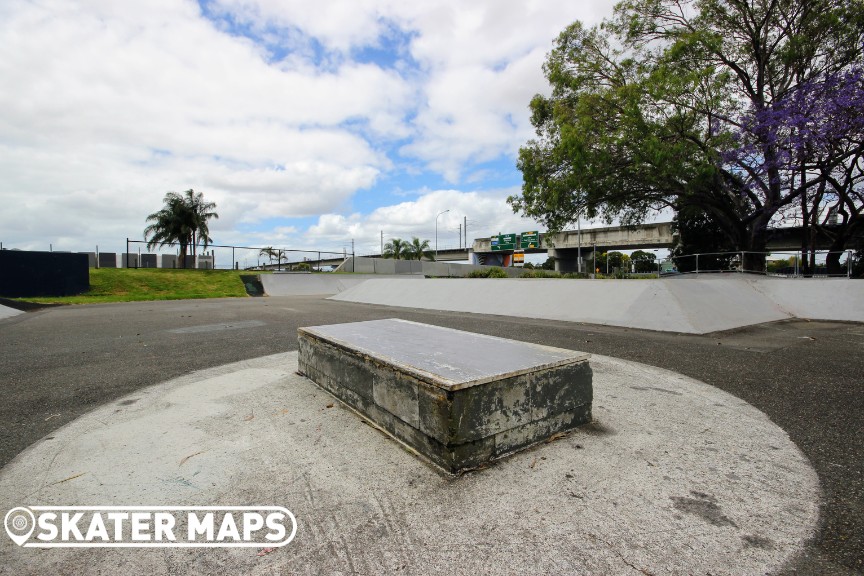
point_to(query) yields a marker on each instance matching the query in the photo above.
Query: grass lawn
(128, 285)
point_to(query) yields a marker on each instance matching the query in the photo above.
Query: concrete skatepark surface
(61, 365)
(673, 477)
(689, 305)
(310, 284)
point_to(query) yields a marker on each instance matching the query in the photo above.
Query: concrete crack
(621, 556)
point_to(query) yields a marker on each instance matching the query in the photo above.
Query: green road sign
(529, 240)
(503, 242)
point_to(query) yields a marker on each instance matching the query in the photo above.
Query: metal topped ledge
(459, 399)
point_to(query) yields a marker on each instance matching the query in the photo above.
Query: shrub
(492, 272)
(547, 274)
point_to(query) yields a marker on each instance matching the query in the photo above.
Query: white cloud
(484, 61)
(338, 24)
(487, 213)
(481, 62)
(107, 105)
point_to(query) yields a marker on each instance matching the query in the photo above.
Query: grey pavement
(62, 363)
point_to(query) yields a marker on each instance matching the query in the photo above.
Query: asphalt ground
(808, 377)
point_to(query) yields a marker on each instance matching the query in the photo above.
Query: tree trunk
(757, 240)
(811, 265)
(832, 261)
(843, 236)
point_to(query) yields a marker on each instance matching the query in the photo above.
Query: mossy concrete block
(459, 399)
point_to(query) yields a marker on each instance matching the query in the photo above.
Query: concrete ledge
(466, 401)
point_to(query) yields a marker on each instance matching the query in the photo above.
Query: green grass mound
(132, 285)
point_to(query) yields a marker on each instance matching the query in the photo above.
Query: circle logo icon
(20, 523)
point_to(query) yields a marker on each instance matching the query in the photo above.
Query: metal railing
(225, 257)
(785, 264)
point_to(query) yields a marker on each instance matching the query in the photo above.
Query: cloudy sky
(309, 123)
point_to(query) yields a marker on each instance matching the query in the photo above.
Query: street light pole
(436, 232)
(579, 250)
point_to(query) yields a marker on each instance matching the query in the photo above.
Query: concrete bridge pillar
(567, 259)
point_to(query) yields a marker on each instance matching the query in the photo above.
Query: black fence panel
(25, 274)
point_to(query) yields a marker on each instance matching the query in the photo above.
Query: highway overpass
(566, 246)
(450, 255)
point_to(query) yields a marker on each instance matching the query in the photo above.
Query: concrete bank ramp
(7, 312)
(313, 284)
(689, 305)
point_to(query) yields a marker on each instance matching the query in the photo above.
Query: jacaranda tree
(698, 106)
(818, 133)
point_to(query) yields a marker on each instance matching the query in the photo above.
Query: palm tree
(169, 225)
(272, 253)
(182, 220)
(419, 250)
(396, 249)
(200, 212)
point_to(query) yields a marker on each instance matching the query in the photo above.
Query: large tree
(183, 220)
(699, 234)
(644, 261)
(671, 104)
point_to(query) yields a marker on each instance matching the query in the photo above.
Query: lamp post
(436, 232)
(579, 249)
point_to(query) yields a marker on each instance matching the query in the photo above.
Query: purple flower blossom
(816, 122)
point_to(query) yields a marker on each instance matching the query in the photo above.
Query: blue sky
(309, 124)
